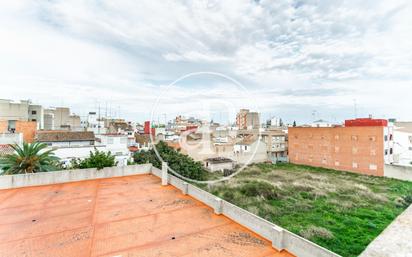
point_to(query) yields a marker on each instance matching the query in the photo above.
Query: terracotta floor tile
(125, 216)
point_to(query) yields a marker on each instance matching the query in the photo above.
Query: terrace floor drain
(33, 220)
(173, 238)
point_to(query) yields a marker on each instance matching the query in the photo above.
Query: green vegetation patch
(181, 163)
(340, 211)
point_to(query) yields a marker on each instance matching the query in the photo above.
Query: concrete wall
(68, 153)
(48, 118)
(280, 238)
(11, 138)
(64, 176)
(36, 113)
(10, 110)
(219, 166)
(399, 172)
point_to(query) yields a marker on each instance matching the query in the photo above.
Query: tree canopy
(181, 163)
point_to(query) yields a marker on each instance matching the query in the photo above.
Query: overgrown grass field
(340, 211)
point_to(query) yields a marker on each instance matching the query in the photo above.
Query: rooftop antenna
(105, 114)
(314, 115)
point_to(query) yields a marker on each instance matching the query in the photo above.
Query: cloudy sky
(297, 59)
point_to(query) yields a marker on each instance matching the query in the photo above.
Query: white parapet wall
(280, 237)
(398, 172)
(64, 176)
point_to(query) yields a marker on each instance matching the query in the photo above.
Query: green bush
(97, 159)
(227, 172)
(182, 164)
(259, 188)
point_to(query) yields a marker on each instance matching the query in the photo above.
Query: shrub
(181, 163)
(313, 231)
(259, 188)
(227, 172)
(97, 159)
(229, 196)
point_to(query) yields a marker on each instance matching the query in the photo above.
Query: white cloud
(79, 52)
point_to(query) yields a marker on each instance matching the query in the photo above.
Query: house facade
(361, 146)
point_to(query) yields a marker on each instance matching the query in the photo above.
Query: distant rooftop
(218, 160)
(124, 216)
(63, 136)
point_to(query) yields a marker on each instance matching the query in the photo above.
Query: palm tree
(30, 158)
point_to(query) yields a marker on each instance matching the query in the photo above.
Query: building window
(354, 150)
(110, 141)
(373, 167)
(410, 139)
(391, 151)
(33, 120)
(354, 138)
(33, 112)
(386, 138)
(410, 148)
(390, 137)
(354, 165)
(386, 151)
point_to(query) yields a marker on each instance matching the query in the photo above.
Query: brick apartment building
(361, 146)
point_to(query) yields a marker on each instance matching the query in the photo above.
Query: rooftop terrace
(122, 216)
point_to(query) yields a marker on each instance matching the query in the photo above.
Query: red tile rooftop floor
(126, 216)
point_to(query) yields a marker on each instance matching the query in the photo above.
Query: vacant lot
(341, 211)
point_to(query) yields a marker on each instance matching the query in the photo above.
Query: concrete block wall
(64, 176)
(280, 238)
